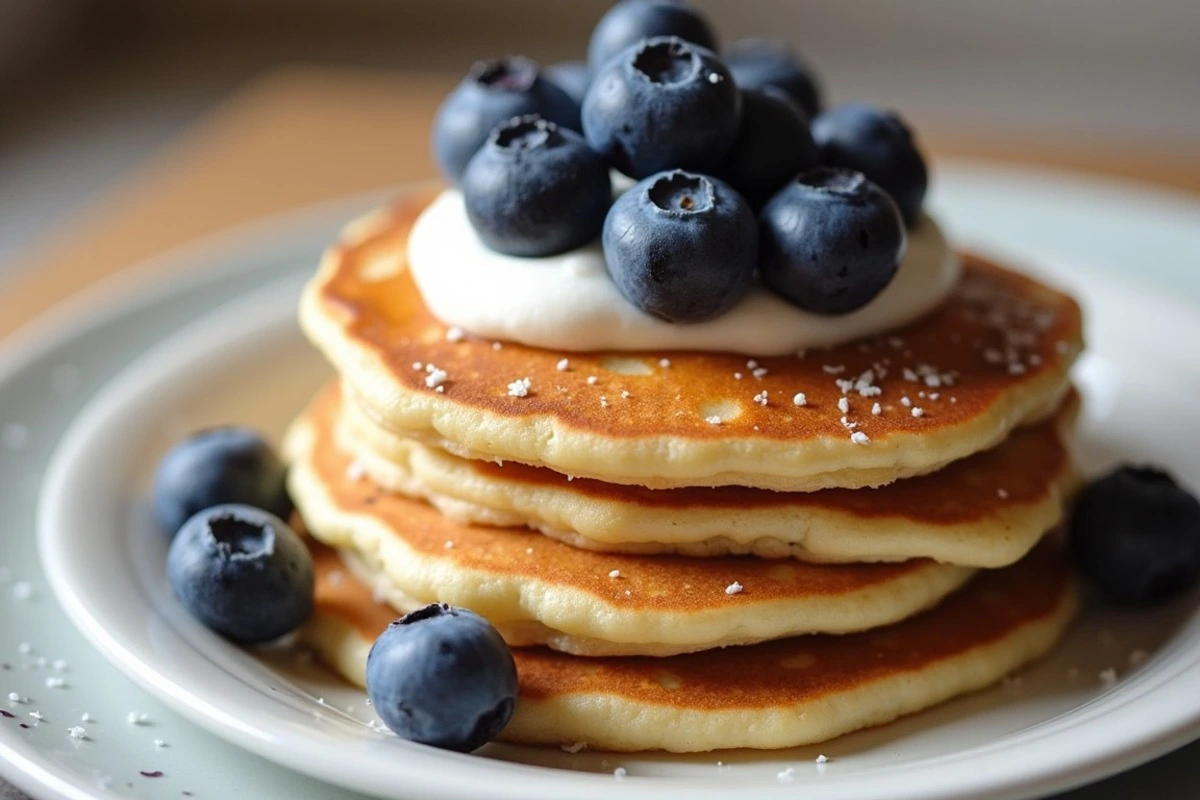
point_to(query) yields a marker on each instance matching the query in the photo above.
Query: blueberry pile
(441, 676)
(233, 563)
(741, 171)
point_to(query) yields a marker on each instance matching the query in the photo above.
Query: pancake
(994, 357)
(774, 695)
(540, 591)
(987, 510)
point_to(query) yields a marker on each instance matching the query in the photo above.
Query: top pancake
(995, 356)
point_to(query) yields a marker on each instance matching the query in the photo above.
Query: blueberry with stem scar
(242, 572)
(681, 247)
(493, 92)
(536, 189)
(442, 676)
(662, 104)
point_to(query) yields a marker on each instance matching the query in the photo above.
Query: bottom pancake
(767, 696)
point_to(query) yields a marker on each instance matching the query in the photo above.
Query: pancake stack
(693, 551)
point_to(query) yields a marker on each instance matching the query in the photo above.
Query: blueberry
(493, 92)
(572, 77)
(662, 104)
(536, 189)
(759, 63)
(216, 466)
(681, 247)
(1136, 533)
(630, 21)
(242, 572)
(878, 144)
(773, 145)
(830, 241)
(442, 676)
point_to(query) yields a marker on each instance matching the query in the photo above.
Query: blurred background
(92, 88)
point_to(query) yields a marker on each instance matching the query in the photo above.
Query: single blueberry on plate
(492, 92)
(878, 144)
(773, 145)
(536, 189)
(442, 676)
(573, 77)
(830, 241)
(217, 466)
(662, 104)
(633, 20)
(1136, 534)
(242, 572)
(681, 247)
(759, 63)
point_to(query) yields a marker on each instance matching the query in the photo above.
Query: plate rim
(231, 321)
(173, 272)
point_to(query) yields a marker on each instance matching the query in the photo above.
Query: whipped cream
(568, 302)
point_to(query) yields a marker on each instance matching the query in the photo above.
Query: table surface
(299, 135)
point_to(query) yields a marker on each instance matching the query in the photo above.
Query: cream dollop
(568, 302)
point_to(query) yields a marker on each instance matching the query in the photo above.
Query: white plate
(1073, 222)
(247, 362)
